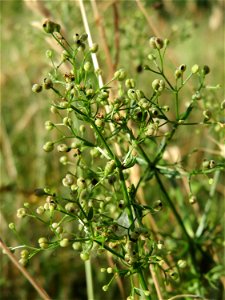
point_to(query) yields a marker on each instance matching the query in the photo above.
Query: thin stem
(89, 281)
(187, 295)
(143, 283)
(25, 273)
(156, 283)
(172, 206)
(177, 105)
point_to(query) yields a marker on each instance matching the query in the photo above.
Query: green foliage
(125, 158)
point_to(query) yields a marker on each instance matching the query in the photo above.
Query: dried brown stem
(116, 34)
(100, 25)
(25, 273)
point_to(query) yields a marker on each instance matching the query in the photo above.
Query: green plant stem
(177, 106)
(172, 206)
(89, 280)
(143, 283)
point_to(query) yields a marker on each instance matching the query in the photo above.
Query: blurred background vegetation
(122, 30)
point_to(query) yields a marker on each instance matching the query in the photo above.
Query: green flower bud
(23, 261)
(81, 183)
(105, 288)
(63, 160)
(182, 263)
(48, 146)
(87, 66)
(205, 164)
(99, 122)
(40, 210)
(94, 48)
(77, 246)
(166, 42)
(12, 226)
(63, 148)
(64, 243)
(103, 270)
(194, 69)
(158, 85)
(120, 75)
(49, 125)
(90, 92)
(177, 74)
(109, 270)
(70, 207)
(21, 212)
(151, 57)
(84, 256)
(67, 121)
(49, 53)
(48, 84)
(51, 27)
(152, 42)
(130, 83)
(24, 253)
(43, 243)
(192, 199)
(144, 103)
(131, 93)
(36, 88)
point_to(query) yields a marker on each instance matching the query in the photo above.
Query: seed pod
(182, 68)
(159, 43)
(50, 27)
(206, 70)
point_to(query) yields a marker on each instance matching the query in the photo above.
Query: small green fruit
(84, 256)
